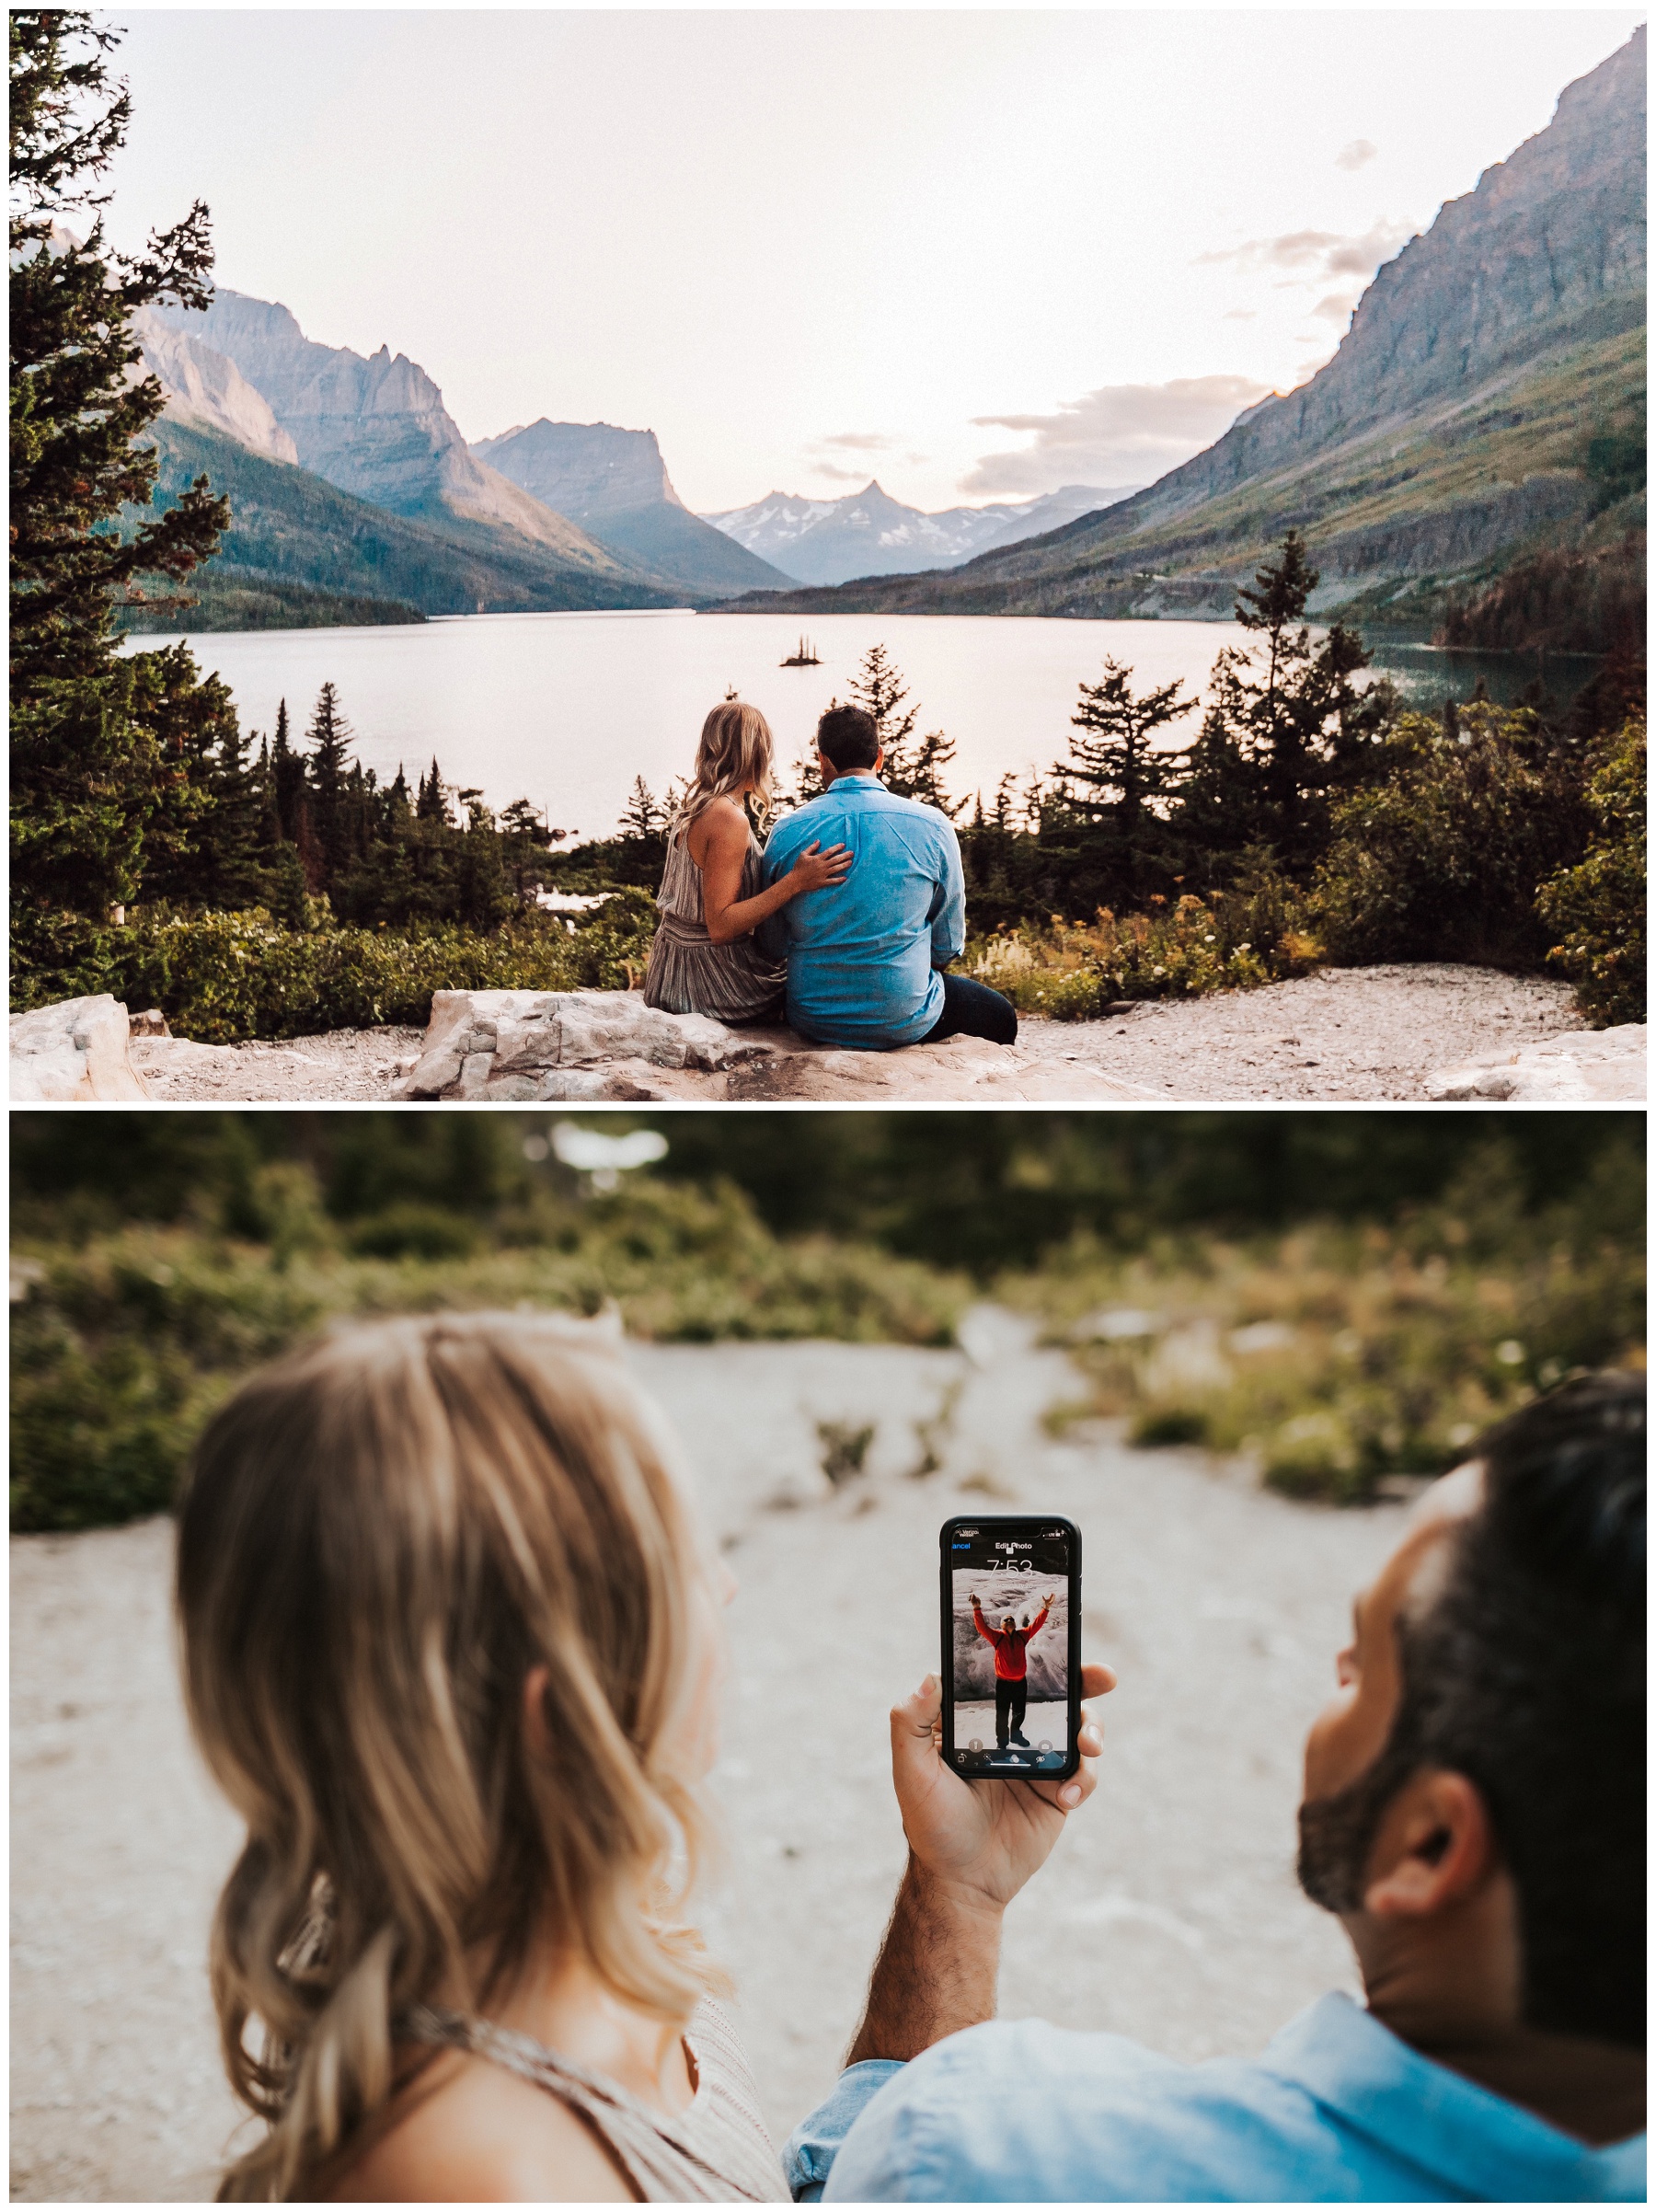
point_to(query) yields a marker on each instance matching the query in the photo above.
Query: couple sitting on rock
(454, 1648)
(846, 920)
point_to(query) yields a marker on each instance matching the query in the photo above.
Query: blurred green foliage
(160, 1255)
(1343, 1353)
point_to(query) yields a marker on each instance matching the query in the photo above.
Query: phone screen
(1011, 1669)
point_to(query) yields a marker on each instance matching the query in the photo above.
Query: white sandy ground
(1168, 1910)
(1350, 1034)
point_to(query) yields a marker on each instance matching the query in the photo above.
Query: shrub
(1441, 857)
(124, 1344)
(223, 978)
(1600, 904)
(1070, 971)
(1339, 1355)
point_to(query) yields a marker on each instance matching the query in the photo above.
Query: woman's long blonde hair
(734, 755)
(381, 1537)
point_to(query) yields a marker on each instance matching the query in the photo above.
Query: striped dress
(717, 2151)
(689, 973)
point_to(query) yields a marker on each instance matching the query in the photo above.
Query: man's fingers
(1097, 1681)
(915, 1717)
(1068, 1795)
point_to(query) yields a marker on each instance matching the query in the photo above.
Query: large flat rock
(73, 1053)
(510, 1046)
(1577, 1067)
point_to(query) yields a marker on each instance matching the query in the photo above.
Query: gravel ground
(1361, 1034)
(1168, 1910)
(345, 1063)
(1353, 1033)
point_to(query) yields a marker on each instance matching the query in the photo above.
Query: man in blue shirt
(865, 957)
(1474, 1812)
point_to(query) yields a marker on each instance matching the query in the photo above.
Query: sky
(975, 254)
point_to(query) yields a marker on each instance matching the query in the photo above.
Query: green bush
(124, 1342)
(1441, 857)
(1338, 1355)
(1070, 971)
(1600, 904)
(225, 978)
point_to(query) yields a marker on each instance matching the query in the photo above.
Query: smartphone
(1011, 1601)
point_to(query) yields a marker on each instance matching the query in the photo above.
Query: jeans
(973, 1009)
(1010, 1698)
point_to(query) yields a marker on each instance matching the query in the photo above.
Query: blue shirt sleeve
(948, 906)
(813, 2145)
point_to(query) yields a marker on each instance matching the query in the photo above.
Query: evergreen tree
(327, 770)
(86, 768)
(1117, 777)
(643, 816)
(432, 802)
(913, 766)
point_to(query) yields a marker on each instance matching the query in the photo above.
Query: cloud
(1241, 314)
(840, 475)
(1311, 256)
(857, 441)
(1123, 433)
(1356, 154)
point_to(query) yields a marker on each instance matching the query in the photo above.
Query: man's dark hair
(1525, 1673)
(849, 737)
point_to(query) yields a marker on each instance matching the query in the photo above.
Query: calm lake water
(565, 710)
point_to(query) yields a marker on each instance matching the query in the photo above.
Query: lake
(567, 709)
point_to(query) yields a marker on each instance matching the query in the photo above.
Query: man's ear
(1436, 1849)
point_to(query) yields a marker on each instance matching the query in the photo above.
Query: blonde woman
(704, 960)
(453, 1650)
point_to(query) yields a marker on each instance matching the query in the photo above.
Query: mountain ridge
(613, 484)
(868, 532)
(1447, 434)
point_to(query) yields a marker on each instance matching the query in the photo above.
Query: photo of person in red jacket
(1011, 1669)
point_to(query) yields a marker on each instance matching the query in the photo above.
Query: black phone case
(946, 1598)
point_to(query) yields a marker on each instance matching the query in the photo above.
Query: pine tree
(913, 766)
(87, 770)
(1117, 777)
(642, 816)
(327, 769)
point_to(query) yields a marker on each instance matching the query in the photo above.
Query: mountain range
(868, 532)
(1485, 407)
(355, 497)
(614, 484)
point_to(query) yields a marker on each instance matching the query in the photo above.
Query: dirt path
(1169, 1911)
(1361, 1034)
(1351, 1034)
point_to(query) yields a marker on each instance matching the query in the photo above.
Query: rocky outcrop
(73, 1053)
(1576, 1067)
(206, 388)
(515, 1047)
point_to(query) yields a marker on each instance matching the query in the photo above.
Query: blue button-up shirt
(1337, 2110)
(863, 955)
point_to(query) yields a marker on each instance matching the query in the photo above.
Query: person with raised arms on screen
(867, 955)
(1011, 1669)
(1473, 1814)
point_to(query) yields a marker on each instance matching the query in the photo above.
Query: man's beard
(1337, 1832)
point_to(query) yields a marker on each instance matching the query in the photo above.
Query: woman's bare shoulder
(722, 822)
(483, 2135)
